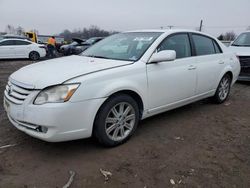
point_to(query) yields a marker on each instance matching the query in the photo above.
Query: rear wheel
(223, 89)
(116, 120)
(34, 56)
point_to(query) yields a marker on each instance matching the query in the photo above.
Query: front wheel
(223, 89)
(116, 120)
(34, 56)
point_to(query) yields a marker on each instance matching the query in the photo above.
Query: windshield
(242, 40)
(123, 46)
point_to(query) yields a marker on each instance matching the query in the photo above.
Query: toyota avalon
(117, 82)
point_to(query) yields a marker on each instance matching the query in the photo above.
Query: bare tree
(229, 36)
(35, 31)
(19, 30)
(10, 29)
(85, 33)
(220, 37)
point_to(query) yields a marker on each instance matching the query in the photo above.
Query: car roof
(170, 31)
(163, 30)
(15, 39)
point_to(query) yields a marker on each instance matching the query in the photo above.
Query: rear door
(7, 49)
(209, 62)
(22, 48)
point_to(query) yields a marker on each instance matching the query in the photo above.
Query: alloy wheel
(120, 121)
(224, 88)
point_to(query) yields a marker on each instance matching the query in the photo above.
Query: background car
(241, 46)
(21, 48)
(69, 49)
(85, 45)
(9, 36)
(78, 45)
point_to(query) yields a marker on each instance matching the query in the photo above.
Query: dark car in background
(241, 46)
(69, 49)
(85, 45)
(78, 45)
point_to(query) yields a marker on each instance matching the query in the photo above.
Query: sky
(53, 16)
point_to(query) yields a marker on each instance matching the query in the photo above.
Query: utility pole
(201, 24)
(170, 26)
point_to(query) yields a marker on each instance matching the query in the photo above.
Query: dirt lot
(199, 145)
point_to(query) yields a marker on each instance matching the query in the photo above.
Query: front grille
(244, 61)
(16, 94)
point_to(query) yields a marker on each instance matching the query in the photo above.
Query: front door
(7, 49)
(171, 82)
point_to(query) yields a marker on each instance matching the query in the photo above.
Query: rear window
(19, 42)
(203, 45)
(217, 48)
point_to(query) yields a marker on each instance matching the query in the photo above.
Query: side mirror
(165, 55)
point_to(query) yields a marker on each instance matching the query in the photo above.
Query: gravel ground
(199, 145)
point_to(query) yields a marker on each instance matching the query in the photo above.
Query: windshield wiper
(243, 45)
(97, 56)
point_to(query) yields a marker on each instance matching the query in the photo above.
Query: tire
(34, 56)
(116, 120)
(223, 89)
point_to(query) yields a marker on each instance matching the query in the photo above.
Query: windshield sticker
(143, 38)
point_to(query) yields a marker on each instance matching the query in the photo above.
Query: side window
(179, 43)
(7, 43)
(19, 42)
(217, 48)
(203, 45)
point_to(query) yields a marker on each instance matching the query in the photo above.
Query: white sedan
(116, 83)
(21, 48)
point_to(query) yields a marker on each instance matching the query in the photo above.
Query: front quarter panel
(107, 82)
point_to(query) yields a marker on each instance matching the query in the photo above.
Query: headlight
(56, 94)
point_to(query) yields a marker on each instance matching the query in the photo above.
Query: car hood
(78, 40)
(57, 71)
(240, 51)
(65, 46)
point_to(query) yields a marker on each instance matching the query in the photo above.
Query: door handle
(191, 67)
(221, 62)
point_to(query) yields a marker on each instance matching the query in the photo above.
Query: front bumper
(54, 122)
(244, 78)
(244, 74)
(245, 68)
